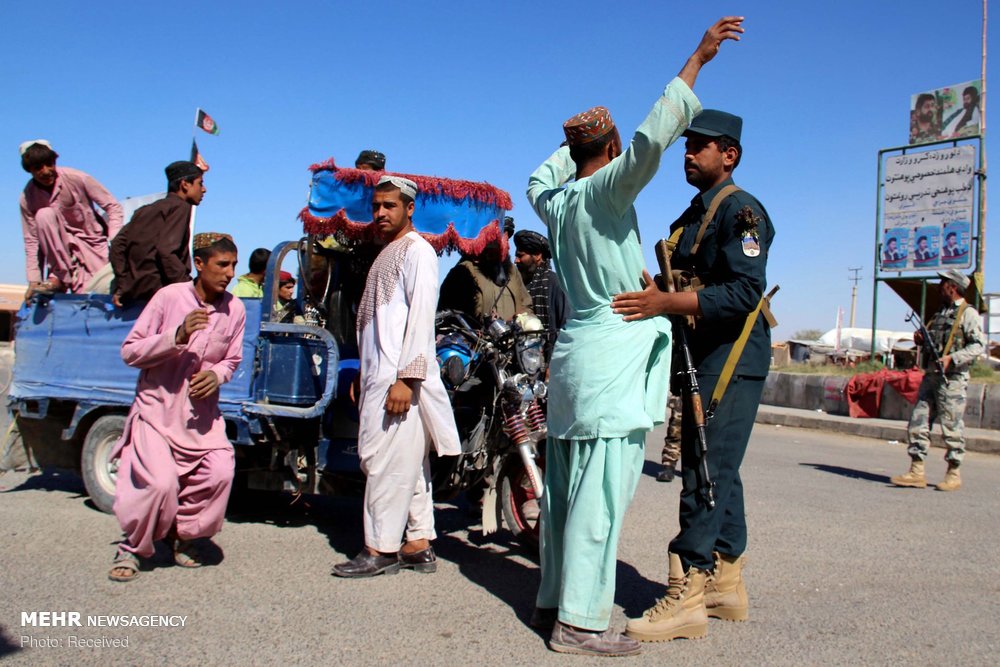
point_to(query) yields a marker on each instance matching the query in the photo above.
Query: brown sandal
(186, 554)
(124, 560)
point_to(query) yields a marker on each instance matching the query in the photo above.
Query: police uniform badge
(747, 223)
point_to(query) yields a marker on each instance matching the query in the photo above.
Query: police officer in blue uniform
(724, 244)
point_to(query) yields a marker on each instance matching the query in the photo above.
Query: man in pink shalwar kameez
(176, 463)
(61, 228)
(403, 405)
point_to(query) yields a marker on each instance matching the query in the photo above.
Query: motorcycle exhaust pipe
(517, 431)
(527, 453)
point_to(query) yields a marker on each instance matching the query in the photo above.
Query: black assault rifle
(927, 343)
(693, 395)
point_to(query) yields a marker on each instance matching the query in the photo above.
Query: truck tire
(99, 473)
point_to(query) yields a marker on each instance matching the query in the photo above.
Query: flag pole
(194, 209)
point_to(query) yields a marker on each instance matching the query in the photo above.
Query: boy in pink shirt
(176, 463)
(62, 231)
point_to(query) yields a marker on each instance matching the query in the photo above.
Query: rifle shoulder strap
(954, 328)
(710, 213)
(736, 352)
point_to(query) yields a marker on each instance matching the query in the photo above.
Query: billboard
(951, 112)
(928, 201)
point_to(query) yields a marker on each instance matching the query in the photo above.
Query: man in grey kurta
(608, 377)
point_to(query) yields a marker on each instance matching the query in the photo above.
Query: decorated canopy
(450, 214)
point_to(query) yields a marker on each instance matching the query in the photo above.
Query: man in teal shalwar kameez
(609, 378)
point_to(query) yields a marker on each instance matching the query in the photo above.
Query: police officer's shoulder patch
(746, 225)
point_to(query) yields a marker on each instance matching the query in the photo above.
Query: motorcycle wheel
(520, 507)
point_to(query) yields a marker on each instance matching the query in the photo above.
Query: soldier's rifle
(926, 341)
(706, 487)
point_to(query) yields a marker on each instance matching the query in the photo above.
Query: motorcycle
(494, 375)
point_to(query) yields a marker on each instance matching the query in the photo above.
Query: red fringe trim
(435, 185)
(448, 241)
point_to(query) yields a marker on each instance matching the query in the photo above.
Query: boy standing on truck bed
(176, 464)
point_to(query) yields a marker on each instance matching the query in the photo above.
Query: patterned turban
(207, 239)
(588, 126)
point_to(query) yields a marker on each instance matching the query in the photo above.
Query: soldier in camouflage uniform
(957, 333)
(672, 443)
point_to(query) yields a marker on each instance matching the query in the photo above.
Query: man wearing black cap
(548, 300)
(957, 334)
(723, 238)
(369, 160)
(152, 250)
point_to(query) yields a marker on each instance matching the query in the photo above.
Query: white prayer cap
(28, 144)
(405, 185)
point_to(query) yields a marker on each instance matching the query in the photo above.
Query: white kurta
(396, 339)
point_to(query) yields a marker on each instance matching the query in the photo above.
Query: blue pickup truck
(71, 391)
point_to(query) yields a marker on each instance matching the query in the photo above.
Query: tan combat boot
(725, 594)
(952, 479)
(915, 477)
(680, 613)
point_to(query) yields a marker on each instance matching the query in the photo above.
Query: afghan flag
(206, 123)
(196, 157)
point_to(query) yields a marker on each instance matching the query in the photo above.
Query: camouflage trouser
(942, 401)
(672, 443)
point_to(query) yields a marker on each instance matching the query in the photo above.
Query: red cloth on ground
(864, 391)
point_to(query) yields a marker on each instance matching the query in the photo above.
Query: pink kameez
(176, 465)
(62, 230)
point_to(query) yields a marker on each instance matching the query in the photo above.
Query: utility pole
(854, 290)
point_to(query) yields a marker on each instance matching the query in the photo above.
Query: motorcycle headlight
(530, 355)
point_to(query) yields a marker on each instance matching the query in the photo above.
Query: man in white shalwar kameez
(403, 404)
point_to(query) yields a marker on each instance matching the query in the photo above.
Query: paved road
(843, 569)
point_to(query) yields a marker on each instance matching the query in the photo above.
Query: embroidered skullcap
(532, 243)
(587, 126)
(957, 277)
(206, 239)
(28, 144)
(405, 185)
(182, 170)
(373, 158)
(285, 277)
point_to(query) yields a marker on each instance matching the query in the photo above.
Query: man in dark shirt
(152, 250)
(725, 242)
(547, 297)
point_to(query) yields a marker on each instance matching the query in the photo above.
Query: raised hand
(729, 27)
(196, 320)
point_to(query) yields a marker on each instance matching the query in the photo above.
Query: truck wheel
(520, 507)
(100, 474)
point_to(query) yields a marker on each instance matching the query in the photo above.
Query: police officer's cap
(957, 277)
(715, 123)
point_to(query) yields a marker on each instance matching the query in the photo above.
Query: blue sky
(479, 91)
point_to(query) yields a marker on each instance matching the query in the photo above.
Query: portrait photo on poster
(895, 247)
(926, 246)
(955, 248)
(950, 112)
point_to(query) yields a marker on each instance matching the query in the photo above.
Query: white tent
(857, 338)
